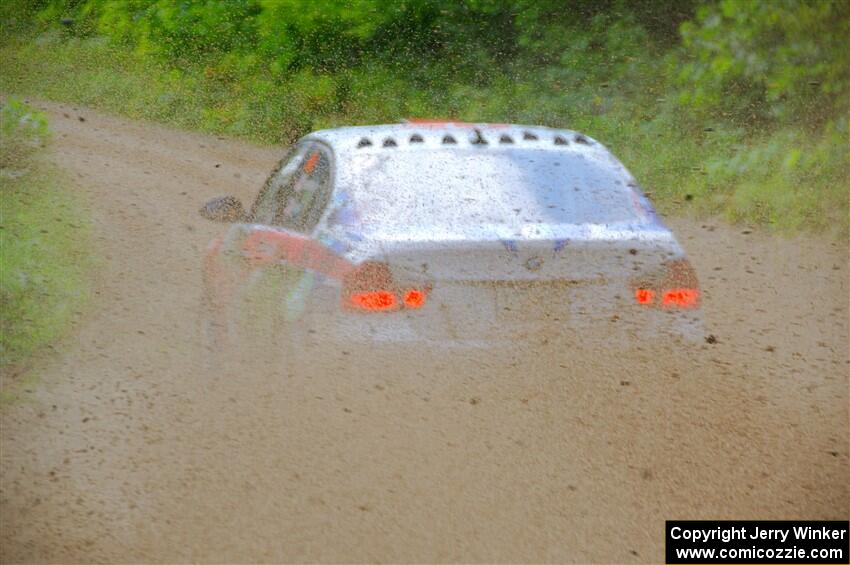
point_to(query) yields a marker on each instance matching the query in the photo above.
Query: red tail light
(644, 295)
(414, 299)
(371, 288)
(378, 300)
(681, 297)
(677, 287)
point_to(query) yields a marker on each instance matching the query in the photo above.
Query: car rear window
(456, 187)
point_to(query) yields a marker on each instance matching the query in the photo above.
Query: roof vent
(505, 138)
(416, 138)
(364, 142)
(478, 139)
(579, 138)
(390, 142)
(528, 136)
(560, 140)
(449, 140)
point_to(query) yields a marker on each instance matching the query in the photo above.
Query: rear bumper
(436, 332)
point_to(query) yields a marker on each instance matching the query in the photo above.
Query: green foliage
(786, 59)
(43, 241)
(178, 29)
(788, 178)
(730, 106)
(22, 132)
(300, 33)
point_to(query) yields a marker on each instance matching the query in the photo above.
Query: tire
(265, 324)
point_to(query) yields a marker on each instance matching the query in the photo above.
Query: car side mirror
(223, 209)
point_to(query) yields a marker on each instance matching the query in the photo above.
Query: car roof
(427, 134)
(495, 169)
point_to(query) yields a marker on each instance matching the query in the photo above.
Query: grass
(44, 244)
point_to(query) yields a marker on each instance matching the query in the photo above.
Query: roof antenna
(479, 139)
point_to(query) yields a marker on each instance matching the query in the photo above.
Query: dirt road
(127, 450)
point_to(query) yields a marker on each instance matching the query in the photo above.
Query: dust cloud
(133, 446)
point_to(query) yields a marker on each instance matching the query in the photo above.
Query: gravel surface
(129, 447)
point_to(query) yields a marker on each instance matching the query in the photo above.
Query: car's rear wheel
(263, 325)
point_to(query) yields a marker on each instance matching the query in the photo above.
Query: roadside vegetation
(43, 242)
(732, 107)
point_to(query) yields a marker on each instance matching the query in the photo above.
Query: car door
(272, 259)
